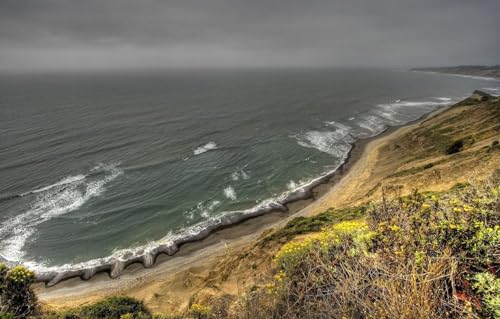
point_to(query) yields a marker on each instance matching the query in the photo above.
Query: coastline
(328, 191)
(464, 75)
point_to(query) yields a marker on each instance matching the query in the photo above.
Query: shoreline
(204, 251)
(470, 76)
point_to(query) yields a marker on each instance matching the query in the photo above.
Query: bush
(7, 315)
(197, 311)
(456, 147)
(16, 296)
(115, 307)
(431, 255)
(487, 285)
(303, 225)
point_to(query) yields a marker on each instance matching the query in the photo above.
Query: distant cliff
(474, 70)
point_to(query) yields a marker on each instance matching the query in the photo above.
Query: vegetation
(17, 300)
(427, 255)
(456, 147)
(422, 256)
(303, 225)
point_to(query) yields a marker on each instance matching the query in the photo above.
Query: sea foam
(230, 193)
(64, 196)
(336, 142)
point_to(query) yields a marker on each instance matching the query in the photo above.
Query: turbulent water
(106, 165)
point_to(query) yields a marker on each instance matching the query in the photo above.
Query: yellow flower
(468, 208)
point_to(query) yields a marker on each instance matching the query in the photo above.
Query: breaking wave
(205, 148)
(230, 193)
(493, 90)
(51, 201)
(396, 113)
(336, 142)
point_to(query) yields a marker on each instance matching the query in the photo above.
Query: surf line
(116, 266)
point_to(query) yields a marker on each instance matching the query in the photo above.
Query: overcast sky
(67, 34)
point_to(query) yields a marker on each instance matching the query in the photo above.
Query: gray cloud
(228, 33)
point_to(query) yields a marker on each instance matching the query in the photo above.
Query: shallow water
(107, 164)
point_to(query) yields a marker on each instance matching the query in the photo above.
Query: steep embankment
(453, 146)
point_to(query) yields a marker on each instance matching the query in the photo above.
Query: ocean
(104, 166)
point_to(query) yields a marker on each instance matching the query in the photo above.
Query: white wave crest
(207, 208)
(205, 148)
(64, 181)
(401, 104)
(336, 143)
(492, 89)
(396, 113)
(168, 239)
(371, 123)
(54, 200)
(230, 193)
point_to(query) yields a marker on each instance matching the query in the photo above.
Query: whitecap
(336, 143)
(410, 104)
(373, 124)
(291, 185)
(205, 214)
(492, 89)
(230, 193)
(205, 148)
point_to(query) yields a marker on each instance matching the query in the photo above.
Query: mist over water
(96, 165)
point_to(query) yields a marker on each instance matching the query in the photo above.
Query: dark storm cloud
(151, 33)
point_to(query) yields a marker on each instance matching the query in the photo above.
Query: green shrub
(197, 311)
(114, 308)
(456, 147)
(139, 315)
(427, 255)
(303, 225)
(7, 315)
(16, 295)
(487, 285)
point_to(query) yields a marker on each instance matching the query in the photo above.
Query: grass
(432, 255)
(303, 225)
